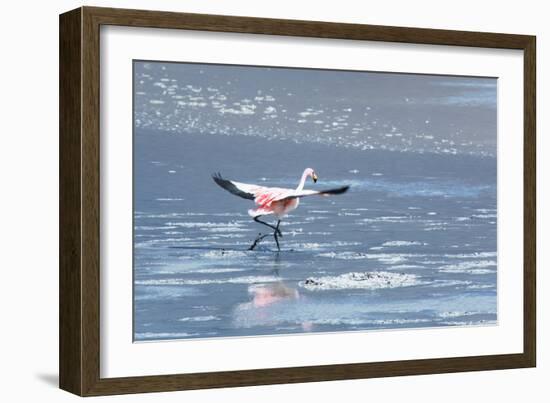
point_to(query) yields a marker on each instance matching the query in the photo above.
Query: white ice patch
(139, 214)
(321, 245)
(344, 255)
(361, 280)
(211, 226)
(484, 216)
(450, 283)
(358, 322)
(392, 259)
(344, 243)
(456, 314)
(463, 218)
(486, 210)
(153, 242)
(164, 293)
(475, 267)
(404, 243)
(152, 227)
(406, 266)
(308, 245)
(480, 286)
(316, 218)
(204, 224)
(216, 271)
(224, 254)
(231, 236)
(200, 271)
(233, 280)
(199, 318)
(386, 258)
(389, 219)
(474, 255)
(468, 323)
(224, 229)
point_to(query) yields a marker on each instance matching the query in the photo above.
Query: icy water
(412, 244)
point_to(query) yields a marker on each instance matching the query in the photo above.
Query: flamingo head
(310, 172)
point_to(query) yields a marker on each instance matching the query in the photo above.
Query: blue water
(412, 244)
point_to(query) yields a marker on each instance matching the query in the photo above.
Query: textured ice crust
(357, 280)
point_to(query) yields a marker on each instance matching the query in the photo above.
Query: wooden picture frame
(79, 348)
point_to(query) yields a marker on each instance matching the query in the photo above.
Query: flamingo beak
(314, 177)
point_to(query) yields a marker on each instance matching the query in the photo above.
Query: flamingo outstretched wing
(304, 193)
(244, 190)
(264, 196)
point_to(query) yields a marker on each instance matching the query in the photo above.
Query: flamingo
(273, 200)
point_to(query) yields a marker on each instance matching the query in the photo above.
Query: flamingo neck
(302, 181)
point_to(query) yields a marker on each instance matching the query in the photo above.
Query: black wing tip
(217, 177)
(230, 186)
(342, 189)
(336, 191)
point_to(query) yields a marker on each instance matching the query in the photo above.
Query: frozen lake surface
(412, 244)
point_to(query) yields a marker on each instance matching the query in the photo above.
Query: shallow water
(412, 244)
(361, 110)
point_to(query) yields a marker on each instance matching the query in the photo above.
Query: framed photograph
(249, 201)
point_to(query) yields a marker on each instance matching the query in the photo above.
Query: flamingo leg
(275, 228)
(276, 236)
(260, 237)
(257, 241)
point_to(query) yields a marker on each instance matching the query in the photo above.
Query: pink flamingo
(271, 200)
